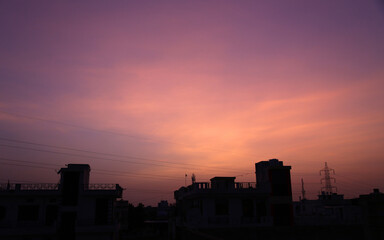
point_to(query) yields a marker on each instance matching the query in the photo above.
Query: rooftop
(207, 187)
(107, 188)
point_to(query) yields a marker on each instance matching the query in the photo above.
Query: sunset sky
(148, 91)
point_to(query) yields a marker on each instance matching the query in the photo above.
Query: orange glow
(202, 88)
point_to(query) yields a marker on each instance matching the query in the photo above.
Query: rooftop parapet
(207, 187)
(55, 187)
(28, 186)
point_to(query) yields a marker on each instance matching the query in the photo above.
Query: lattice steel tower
(328, 188)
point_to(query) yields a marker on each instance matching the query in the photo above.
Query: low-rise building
(222, 202)
(328, 209)
(71, 209)
(372, 206)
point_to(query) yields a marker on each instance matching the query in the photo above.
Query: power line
(93, 152)
(18, 181)
(23, 165)
(151, 176)
(31, 162)
(100, 153)
(97, 171)
(355, 181)
(130, 189)
(83, 156)
(70, 125)
(98, 130)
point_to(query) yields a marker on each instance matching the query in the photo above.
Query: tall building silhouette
(273, 178)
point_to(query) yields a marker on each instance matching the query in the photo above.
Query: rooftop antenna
(327, 178)
(302, 189)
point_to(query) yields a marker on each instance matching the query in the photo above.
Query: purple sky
(204, 87)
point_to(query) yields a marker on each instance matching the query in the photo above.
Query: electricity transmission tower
(328, 188)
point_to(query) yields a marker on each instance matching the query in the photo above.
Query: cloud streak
(209, 84)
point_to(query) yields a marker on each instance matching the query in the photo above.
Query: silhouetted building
(328, 209)
(224, 203)
(273, 178)
(72, 209)
(141, 222)
(357, 218)
(163, 210)
(372, 206)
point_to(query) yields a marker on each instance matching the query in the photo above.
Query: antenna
(327, 178)
(302, 189)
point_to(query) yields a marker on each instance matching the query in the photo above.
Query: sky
(147, 92)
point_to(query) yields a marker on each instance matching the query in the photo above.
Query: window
(2, 212)
(282, 214)
(221, 206)
(67, 226)
(70, 188)
(51, 214)
(261, 210)
(28, 213)
(101, 211)
(247, 208)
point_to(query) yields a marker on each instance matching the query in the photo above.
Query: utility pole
(185, 180)
(302, 189)
(193, 178)
(327, 179)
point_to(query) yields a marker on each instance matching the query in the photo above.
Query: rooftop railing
(236, 185)
(102, 186)
(54, 186)
(39, 186)
(7, 186)
(240, 185)
(28, 186)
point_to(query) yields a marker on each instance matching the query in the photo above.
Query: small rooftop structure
(223, 182)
